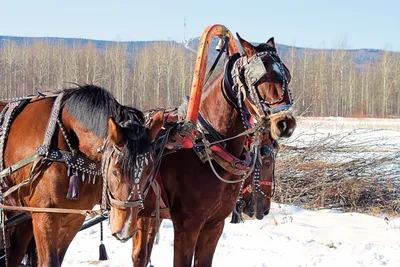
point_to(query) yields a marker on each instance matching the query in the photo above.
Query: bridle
(108, 149)
(267, 153)
(107, 200)
(240, 82)
(247, 73)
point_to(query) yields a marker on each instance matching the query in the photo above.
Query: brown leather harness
(75, 162)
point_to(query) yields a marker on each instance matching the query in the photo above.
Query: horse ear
(115, 133)
(248, 48)
(271, 42)
(156, 123)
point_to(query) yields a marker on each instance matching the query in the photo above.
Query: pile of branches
(315, 177)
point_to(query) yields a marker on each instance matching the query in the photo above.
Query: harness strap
(208, 153)
(124, 204)
(90, 213)
(6, 117)
(249, 189)
(51, 127)
(227, 88)
(231, 163)
(210, 72)
(213, 134)
(160, 198)
(19, 165)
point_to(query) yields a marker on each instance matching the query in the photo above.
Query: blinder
(250, 74)
(255, 70)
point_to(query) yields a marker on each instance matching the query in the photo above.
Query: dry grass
(305, 179)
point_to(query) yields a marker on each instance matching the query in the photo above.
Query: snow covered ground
(289, 236)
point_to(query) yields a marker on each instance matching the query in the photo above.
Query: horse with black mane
(64, 153)
(254, 200)
(200, 194)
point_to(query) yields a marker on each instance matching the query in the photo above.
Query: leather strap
(90, 213)
(51, 126)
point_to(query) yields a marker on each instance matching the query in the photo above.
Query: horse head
(264, 81)
(128, 161)
(257, 198)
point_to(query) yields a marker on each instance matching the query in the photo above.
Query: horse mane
(93, 106)
(264, 47)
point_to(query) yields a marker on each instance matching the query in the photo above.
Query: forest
(325, 82)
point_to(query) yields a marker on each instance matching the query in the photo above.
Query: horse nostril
(282, 125)
(266, 212)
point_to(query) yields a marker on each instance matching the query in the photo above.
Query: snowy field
(290, 236)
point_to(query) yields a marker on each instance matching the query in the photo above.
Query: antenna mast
(184, 29)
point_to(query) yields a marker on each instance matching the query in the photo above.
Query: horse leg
(46, 228)
(207, 243)
(20, 238)
(152, 236)
(70, 228)
(185, 238)
(32, 255)
(143, 240)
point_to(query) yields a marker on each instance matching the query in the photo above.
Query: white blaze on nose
(125, 230)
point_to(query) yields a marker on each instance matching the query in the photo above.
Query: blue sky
(308, 23)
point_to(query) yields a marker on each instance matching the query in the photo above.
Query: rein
(89, 213)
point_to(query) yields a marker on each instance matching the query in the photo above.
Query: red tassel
(73, 187)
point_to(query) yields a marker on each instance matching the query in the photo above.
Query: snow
(289, 235)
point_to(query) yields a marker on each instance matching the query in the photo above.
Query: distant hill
(361, 56)
(100, 44)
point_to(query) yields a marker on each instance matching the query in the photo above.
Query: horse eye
(116, 173)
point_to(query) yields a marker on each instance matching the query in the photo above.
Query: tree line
(324, 82)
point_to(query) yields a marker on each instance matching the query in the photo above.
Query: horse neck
(81, 138)
(224, 118)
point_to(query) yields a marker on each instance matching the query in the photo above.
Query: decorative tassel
(237, 213)
(102, 249)
(73, 187)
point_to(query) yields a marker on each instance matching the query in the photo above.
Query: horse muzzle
(282, 125)
(122, 238)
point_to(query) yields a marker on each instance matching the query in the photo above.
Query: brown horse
(70, 172)
(257, 192)
(252, 201)
(256, 85)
